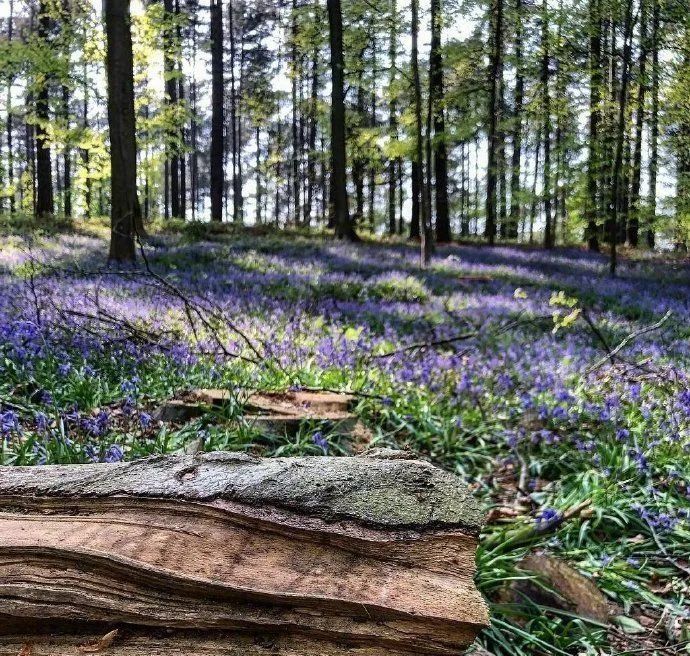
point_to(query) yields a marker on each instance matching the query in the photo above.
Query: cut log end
(314, 556)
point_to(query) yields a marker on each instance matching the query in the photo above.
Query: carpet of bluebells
(489, 363)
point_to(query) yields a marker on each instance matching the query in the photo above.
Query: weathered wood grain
(372, 552)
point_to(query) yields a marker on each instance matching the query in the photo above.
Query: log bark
(225, 553)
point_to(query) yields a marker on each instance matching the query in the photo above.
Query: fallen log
(223, 553)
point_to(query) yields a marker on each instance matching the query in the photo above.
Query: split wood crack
(220, 553)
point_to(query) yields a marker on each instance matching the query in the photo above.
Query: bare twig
(630, 338)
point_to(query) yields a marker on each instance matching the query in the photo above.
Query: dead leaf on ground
(27, 650)
(103, 644)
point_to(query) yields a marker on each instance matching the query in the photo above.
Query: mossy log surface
(366, 555)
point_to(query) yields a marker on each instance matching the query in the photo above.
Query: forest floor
(559, 394)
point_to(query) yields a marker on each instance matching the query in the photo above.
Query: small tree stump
(268, 412)
(222, 553)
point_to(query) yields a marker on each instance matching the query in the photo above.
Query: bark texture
(225, 553)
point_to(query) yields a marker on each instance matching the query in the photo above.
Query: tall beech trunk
(181, 160)
(30, 151)
(125, 212)
(67, 159)
(358, 163)
(424, 218)
(436, 100)
(171, 87)
(416, 203)
(9, 126)
(236, 142)
(493, 136)
(593, 166)
(217, 111)
(257, 176)
(515, 165)
(296, 203)
(311, 145)
(534, 204)
(549, 236)
(392, 117)
(339, 205)
(654, 122)
(44, 176)
(636, 182)
(85, 152)
(373, 123)
(620, 135)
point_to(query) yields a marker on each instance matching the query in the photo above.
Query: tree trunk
(416, 204)
(125, 211)
(9, 126)
(358, 163)
(636, 182)
(339, 210)
(593, 165)
(620, 136)
(217, 111)
(515, 166)
(533, 208)
(295, 75)
(182, 160)
(436, 101)
(493, 137)
(654, 123)
(373, 123)
(44, 176)
(257, 176)
(169, 65)
(392, 116)
(549, 237)
(236, 147)
(424, 218)
(313, 125)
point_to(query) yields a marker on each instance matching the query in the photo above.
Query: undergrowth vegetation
(499, 365)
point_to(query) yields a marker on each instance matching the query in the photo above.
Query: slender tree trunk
(257, 174)
(636, 183)
(169, 65)
(9, 126)
(654, 123)
(493, 136)
(125, 210)
(295, 75)
(193, 129)
(313, 125)
(620, 136)
(30, 148)
(534, 206)
(515, 168)
(373, 124)
(416, 203)
(593, 165)
(392, 116)
(549, 237)
(217, 111)
(339, 210)
(235, 146)
(424, 218)
(436, 102)
(67, 159)
(44, 176)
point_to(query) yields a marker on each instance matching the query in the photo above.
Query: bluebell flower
(547, 516)
(319, 440)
